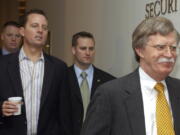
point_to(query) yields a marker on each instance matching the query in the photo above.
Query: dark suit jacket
(117, 107)
(54, 117)
(0, 52)
(99, 78)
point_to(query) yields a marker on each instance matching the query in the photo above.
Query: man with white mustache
(131, 105)
(166, 60)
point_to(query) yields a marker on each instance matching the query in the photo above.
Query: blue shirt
(5, 52)
(89, 71)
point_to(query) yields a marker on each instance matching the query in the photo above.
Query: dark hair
(82, 34)
(151, 26)
(10, 23)
(23, 18)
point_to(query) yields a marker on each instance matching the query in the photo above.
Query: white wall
(112, 23)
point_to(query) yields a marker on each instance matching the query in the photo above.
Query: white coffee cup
(18, 101)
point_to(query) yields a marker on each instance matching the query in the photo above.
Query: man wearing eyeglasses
(146, 101)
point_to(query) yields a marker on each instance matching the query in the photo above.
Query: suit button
(25, 122)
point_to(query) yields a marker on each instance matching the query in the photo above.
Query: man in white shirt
(132, 105)
(41, 81)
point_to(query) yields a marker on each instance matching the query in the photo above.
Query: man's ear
(139, 52)
(73, 50)
(2, 36)
(21, 31)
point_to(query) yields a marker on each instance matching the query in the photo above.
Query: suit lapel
(48, 78)
(74, 84)
(174, 95)
(14, 73)
(0, 52)
(96, 81)
(134, 105)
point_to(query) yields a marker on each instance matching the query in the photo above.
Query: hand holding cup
(12, 106)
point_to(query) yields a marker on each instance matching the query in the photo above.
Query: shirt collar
(147, 80)
(5, 52)
(23, 56)
(78, 71)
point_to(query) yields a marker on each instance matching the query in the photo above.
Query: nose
(13, 38)
(169, 53)
(87, 51)
(40, 29)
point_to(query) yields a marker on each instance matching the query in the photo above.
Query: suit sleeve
(98, 117)
(1, 114)
(65, 106)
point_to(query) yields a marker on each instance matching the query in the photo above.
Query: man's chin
(87, 64)
(166, 72)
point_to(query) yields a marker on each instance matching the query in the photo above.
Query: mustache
(172, 60)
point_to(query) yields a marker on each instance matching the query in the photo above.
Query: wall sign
(160, 7)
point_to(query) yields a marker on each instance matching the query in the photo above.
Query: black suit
(1, 52)
(54, 116)
(117, 107)
(99, 78)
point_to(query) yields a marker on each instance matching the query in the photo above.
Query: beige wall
(8, 11)
(111, 21)
(106, 19)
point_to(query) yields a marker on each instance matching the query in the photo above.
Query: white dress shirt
(32, 74)
(149, 95)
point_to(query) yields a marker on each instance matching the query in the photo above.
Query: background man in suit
(83, 50)
(132, 105)
(38, 78)
(10, 37)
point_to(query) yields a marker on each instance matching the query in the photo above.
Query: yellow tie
(163, 114)
(85, 92)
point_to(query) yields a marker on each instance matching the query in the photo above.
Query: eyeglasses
(172, 48)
